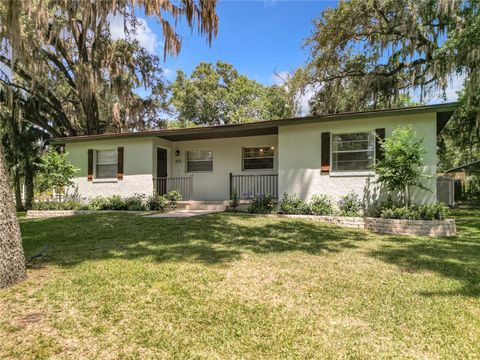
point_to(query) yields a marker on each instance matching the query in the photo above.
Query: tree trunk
(12, 259)
(29, 190)
(18, 192)
(407, 196)
(29, 187)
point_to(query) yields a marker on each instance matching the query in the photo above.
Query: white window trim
(200, 171)
(260, 170)
(95, 163)
(338, 173)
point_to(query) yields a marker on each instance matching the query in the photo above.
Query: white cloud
(169, 73)
(303, 100)
(280, 77)
(269, 3)
(6, 71)
(435, 95)
(143, 33)
(455, 84)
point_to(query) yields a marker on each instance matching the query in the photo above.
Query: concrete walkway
(183, 213)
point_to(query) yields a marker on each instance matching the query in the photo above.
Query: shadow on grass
(211, 239)
(223, 237)
(456, 258)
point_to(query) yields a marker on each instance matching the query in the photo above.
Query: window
(106, 164)
(199, 161)
(353, 151)
(258, 158)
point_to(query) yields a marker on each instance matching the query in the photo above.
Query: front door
(162, 171)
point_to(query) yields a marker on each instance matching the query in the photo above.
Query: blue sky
(258, 37)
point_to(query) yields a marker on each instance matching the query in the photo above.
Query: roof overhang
(443, 111)
(465, 166)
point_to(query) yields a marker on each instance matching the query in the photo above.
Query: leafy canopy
(217, 94)
(459, 141)
(401, 168)
(374, 51)
(79, 79)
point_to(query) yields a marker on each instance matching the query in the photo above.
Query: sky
(258, 37)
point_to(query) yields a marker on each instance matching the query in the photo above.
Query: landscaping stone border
(352, 222)
(43, 214)
(445, 227)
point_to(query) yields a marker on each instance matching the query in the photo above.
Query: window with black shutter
(106, 164)
(353, 151)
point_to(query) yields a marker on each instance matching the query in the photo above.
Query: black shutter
(380, 136)
(120, 164)
(325, 155)
(90, 165)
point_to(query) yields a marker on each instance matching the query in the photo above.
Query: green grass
(120, 286)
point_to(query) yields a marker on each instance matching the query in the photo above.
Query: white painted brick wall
(130, 185)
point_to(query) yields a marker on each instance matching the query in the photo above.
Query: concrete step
(181, 205)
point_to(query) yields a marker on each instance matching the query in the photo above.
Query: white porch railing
(247, 186)
(184, 185)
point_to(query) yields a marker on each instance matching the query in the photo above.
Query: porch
(244, 186)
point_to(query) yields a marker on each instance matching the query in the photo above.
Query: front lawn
(240, 286)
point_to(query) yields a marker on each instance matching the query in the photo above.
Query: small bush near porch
(241, 286)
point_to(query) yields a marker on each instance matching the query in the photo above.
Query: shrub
(390, 210)
(235, 201)
(157, 203)
(375, 210)
(262, 204)
(115, 202)
(472, 187)
(290, 204)
(98, 203)
(135, 203)
(56, 205)
(433, 211)
(350, 205)
(173, 197)
(321, 205)
(403, 212)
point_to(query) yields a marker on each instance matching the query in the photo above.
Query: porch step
(204, 205)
